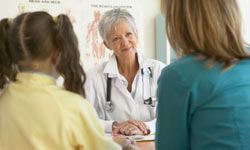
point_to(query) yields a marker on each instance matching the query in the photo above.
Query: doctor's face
(122, 40)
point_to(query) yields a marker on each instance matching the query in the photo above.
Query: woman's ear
(105, 43)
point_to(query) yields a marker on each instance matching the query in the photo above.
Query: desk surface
(146, 145)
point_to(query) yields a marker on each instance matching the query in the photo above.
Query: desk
(146, 145)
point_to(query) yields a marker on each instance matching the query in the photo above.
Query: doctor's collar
(143, 61)
(111, 67)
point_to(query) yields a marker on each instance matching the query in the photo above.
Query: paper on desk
(150, 137)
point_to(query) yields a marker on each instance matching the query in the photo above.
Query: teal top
(203, 109)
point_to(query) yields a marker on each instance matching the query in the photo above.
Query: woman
(204, 98)
(122, 90)
(34, 112)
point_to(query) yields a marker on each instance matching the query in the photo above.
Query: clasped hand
(125, 142)
(130, 127)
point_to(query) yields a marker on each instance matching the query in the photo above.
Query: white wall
(151, 8)
(244, 6)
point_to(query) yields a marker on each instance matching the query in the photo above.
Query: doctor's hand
(125, 142)
(130, 127)
(141, 125)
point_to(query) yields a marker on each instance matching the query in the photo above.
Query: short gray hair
(111, 17)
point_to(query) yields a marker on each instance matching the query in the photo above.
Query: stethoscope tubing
(109, 106)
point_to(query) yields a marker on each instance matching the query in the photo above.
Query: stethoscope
(151, 101)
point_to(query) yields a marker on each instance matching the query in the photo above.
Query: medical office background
(85, 15)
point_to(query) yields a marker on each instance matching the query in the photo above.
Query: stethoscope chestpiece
(150, 101)
(109, 107)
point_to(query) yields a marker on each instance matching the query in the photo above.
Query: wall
(244, 6)
(151, 9)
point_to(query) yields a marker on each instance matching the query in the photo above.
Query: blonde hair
(211, 28)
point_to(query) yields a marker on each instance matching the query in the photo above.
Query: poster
(85, 15)
(93, 49)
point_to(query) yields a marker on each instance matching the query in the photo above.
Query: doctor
(123, 89)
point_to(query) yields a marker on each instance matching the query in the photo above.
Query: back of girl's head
(35, 36)
(208, 27)
(31, 37)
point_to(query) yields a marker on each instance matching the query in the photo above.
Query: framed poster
(92, 48)
(85, 16)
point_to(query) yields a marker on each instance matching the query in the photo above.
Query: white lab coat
(127, 105)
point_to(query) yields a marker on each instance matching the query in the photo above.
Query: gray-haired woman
(122, 90)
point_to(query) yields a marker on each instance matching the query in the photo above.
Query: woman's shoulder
(96, 71)
(153, 63)
(70, 100)
(67, 96)
(156, 62)
(185, 63)
(188, 68)
(97, 68)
